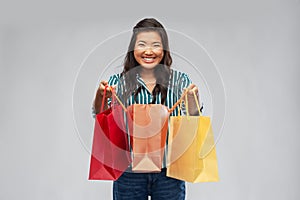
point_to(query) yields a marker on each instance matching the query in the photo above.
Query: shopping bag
(148, 124)
(191, 148)
(110, 155)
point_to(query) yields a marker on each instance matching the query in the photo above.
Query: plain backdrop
(53, 53)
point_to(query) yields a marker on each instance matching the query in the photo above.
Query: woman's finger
(104, 83)
(192, 89)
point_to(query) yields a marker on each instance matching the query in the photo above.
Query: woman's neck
(149, 79)
(147, 75)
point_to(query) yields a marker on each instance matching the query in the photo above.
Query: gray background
(255, 45)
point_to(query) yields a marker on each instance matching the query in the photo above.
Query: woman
(148, 79)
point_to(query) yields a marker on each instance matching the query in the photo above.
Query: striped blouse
(177, 82)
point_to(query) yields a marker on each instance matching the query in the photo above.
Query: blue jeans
(138, 186)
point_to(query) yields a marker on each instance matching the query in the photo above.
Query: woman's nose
(148, 50)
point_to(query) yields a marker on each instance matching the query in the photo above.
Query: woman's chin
(148, 66)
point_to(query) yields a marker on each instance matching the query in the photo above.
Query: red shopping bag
(110, 155)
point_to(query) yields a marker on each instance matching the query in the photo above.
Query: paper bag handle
(178, 102)
(197, 103)
(103, 99)
(170, 110)
(187, 104)
(114, 95)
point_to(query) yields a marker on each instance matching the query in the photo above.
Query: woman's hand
(101, 88)
(193, 108)
(191, 90)
(99, 96)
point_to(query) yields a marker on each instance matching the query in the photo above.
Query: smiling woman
(148, 55)
(147, 78)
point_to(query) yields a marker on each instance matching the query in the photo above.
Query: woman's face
(148, 49)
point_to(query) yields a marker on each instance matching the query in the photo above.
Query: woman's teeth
(148, 59)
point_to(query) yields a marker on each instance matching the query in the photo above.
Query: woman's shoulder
(178, 74)
(115, 76)
(114, 79)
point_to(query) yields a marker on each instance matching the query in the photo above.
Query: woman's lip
(148, 59)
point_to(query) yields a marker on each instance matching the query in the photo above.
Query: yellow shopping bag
(191, 148)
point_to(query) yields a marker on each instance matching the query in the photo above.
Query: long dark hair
(161, 71)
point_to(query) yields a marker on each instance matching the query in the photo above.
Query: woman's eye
(157, 45)
(141, 45)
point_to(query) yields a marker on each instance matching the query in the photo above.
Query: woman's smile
(149, 59)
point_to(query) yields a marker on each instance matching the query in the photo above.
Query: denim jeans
(138, 186)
